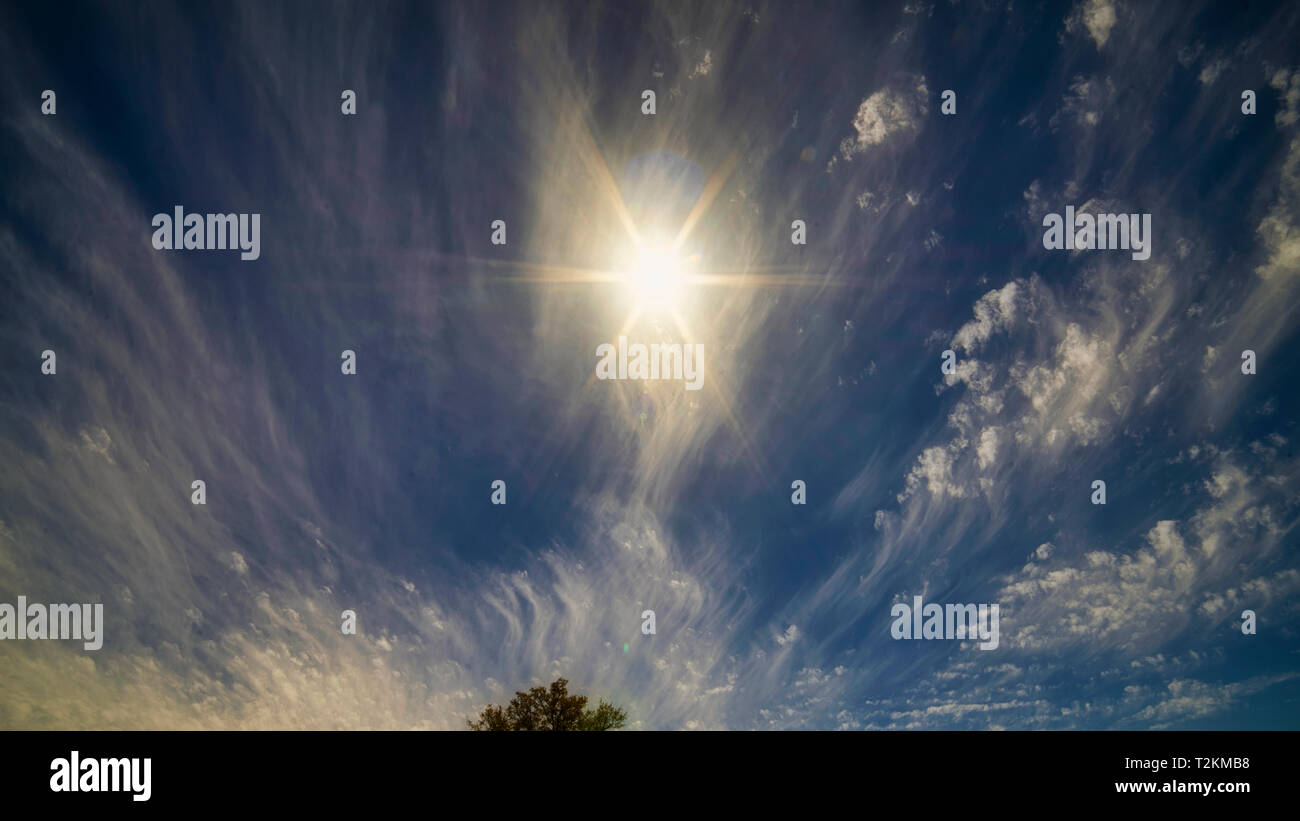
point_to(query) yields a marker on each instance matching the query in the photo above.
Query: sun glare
(656, 279)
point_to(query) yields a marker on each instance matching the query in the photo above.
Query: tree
(549, 709)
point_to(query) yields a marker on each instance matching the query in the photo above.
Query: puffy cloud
(703, 67)
(1279, 231)
(1287, 84)
(988, 448)
(1211, 70)
(994, 312)
(1137, 601)
(884, 114)
(1187, 699)
(1097, 17)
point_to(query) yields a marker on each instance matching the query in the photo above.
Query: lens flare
(656, 279)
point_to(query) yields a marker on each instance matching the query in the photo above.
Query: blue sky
(371, 491)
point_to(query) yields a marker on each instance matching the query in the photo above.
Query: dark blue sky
(371, 491)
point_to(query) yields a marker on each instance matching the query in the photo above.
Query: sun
(656, 278)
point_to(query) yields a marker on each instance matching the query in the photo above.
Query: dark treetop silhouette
(553, 709)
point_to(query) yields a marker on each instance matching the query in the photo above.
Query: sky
(823, 361)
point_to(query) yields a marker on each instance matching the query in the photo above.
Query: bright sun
(656, 278)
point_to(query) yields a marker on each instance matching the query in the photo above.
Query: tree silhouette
(549, 709)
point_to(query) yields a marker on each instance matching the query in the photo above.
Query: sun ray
(590, 154)
(627, 326)
(759, 280)
(706, 198)
(720, 395)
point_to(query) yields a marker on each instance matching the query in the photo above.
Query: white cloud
(884, 114)
(1210, 71)
(1137, 601)
(934, 470)
(1288, 84)
(988, 448)
(703, 68)
(98, 441)
(1098, 17)
(995, 311)
(1085, 103)
(1188, 699)
(1279, 230)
